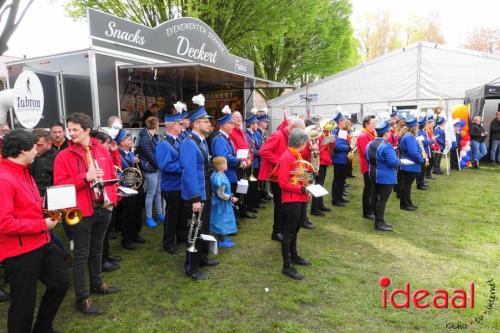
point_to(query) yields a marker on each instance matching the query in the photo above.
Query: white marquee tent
(414, 77)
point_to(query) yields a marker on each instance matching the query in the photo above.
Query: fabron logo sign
(28, 99)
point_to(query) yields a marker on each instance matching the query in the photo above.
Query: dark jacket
(495, 129)
(42, 170)
(147, 151)
(475, 132)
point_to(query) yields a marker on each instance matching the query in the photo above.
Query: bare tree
(485, 40)
(9, 9)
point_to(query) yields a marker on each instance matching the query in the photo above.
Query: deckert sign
(186, 38)
(28, 99)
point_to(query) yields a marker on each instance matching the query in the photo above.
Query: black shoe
(291, 272)
(338, 204)
(104, 289)
(139, 239)
(258, 206)
(301, 261)
(248, 216)
(412, 205)
(317, 213)
(277, 236)
(408, 208)
(252, 209)
(308, 225)
(369, 216)
(4, 297)
(114, 259)
(109, 266)
(343, 200)
(347, 185)
(325, 209)
(87, 307)
(171, 249)
(197, 276)
(351, 176)
(129, 246)
(383, 227)
(209, 262)
(430, 177)
(438, 172)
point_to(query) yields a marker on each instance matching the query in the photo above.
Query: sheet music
(342, 134)
(242, 153)
(317, 190)
(60, 197)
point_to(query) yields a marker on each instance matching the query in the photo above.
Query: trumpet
(194, 230)
(71, 216)
(252, 146)
(98, 184)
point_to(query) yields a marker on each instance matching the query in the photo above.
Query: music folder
(60, 197)
(317, 190)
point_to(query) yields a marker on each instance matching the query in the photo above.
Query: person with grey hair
(270, 153)
(294, 199)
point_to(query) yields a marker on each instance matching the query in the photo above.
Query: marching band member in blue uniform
(409, 150)
(426, 144)
(255, 143)
(222, 145)
(382, 170)
(340, 161)
(186, 130)
(167, 155)
(262, 134)
(441, 140)
(195, 185)
(128, 210)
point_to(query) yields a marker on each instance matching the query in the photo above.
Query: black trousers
(253, 195)
(130, 216)
(367, 192)
(428, 169)
(113, 222)
(88, 236)
(339, 176)
(22, 273)
(317, 203)
(379, 196)
(454, 158)
(421, 175)
(278, 208)
(294, 216)
(243, 198)
(193, 260)
(437, 162)
(407, 179)
(174, 227)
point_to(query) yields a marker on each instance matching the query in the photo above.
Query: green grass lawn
(451, 240)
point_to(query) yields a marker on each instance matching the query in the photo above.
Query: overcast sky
(46, 28)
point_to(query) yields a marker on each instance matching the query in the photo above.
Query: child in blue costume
(222, 219)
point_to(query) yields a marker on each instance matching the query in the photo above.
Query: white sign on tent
(313, 97)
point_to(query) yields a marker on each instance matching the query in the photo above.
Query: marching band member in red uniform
(26, 251)
(270, 154)
(367, 134)
(294, 199)
(239, 139)
(83, 163)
